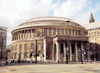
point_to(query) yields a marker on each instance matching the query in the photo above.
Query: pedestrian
(6, 62)
(94, 60)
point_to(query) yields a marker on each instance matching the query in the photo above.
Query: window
(90, 48)
(20, 47)
(15, 47)
(49, 30)
(25, 46)
(54, 30)
(92, 34)
(32, 47)
(45, 30)
(96, 47)
(39, 46)
(97, 33)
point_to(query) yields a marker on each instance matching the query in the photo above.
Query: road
(52, 68)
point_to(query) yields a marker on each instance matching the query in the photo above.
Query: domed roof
(48, 21)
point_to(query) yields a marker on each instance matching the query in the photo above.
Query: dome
(48, 21)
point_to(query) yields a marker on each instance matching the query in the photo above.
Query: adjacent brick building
(3, 37)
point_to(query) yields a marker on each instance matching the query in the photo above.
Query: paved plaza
(51, 68)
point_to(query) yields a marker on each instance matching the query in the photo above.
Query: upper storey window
(25, 46)
(49, 30)
(20, 47)
(54, 30)
(32, 47)
(33, 30)
(39, 46)
(15, 47)
(97, 33)
(45, 29)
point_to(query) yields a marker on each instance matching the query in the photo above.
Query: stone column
(70, 51)
(82, 50)
(77, 32)
(64, 47)
(57, 51)
(31, 34)
(64, 32)
(71, 31)
(28, 35)
(18, 35)
(44, 49)
(24, 34)
(52, 32)
(76, 51)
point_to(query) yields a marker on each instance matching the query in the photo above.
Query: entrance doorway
(97, 56)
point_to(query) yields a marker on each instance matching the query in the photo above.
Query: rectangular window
(20, 47)
(15, 47)
(39, 46)
(25, 46)
(49, 30)
(32, 47)
(45, 30)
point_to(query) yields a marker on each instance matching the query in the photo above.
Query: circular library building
(51, 38)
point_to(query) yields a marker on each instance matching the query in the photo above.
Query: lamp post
(67, 44)
(36, 52)
(81, 56)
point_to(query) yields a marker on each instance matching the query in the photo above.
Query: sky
(15, 12)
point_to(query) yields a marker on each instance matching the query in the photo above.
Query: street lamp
(81, 56)
(67, 44)
(36, 52)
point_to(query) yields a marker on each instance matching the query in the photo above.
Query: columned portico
(44, 49)
(82, 51)
(76, 51)
(64, 47)
(57, 51)
(70, 51)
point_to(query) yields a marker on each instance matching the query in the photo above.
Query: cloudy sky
(15, 12)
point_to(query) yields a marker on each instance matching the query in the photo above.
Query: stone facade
(93, 29)
(3, 37)
(52, 34)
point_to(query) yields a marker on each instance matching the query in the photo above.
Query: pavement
(40, 67)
